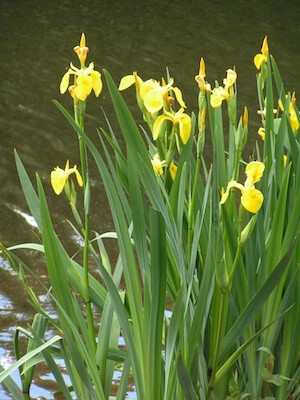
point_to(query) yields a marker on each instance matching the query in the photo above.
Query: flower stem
(79, 111)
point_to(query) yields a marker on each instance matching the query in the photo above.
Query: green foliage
(227, 275)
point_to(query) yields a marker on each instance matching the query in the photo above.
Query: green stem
(192, 206)
(220, 323)
(79, 111)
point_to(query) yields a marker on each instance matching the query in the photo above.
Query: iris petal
(96, 82)
(252, 200)
(153, 100)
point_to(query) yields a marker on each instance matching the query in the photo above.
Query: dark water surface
(37, 38)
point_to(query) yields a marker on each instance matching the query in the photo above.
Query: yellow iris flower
(85, 79)
(157, 164)
(251, 198)
(151, 92)
(60, 176)
(223, 93)
(262, 58)
(179, 118)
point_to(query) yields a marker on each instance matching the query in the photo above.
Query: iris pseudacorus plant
(60, 176)
(252, 198)
(86, 79)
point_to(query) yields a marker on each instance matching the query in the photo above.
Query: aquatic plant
(205, 291)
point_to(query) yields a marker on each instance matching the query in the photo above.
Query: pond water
(37, 38)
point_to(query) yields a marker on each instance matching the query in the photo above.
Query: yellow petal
(157, 125)
(58, 179)
(173, 170)
(265, 47)
(259, 59)
(254, 171)
(82, 40)
(84, 87)
(126, 82)
(231, 184)
(230, 78)
(78, 176)
(261, 132)
(65, 81)
(178, 96)
(153, 100)
(202, 68)
(185, 128)
(148, 85)
(157, 164)
(217, 96)
(252, 200)
(96, 82)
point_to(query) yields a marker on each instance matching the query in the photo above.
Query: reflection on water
(123, 36)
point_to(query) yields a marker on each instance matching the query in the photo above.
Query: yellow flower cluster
(85, 79)
(156, 97)
(251, 198)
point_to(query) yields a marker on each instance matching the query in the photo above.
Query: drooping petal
(65, 81)
(252, 200)
(231, 184)
(78, 176)
(157, 125)
(126, 82)
(262, 133)
(84, 87)
(96, 82)
(185, 128)
(259, 59)
(153, 100)
(179, 97)
(58, 179)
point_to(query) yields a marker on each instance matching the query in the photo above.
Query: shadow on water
(123, 36)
